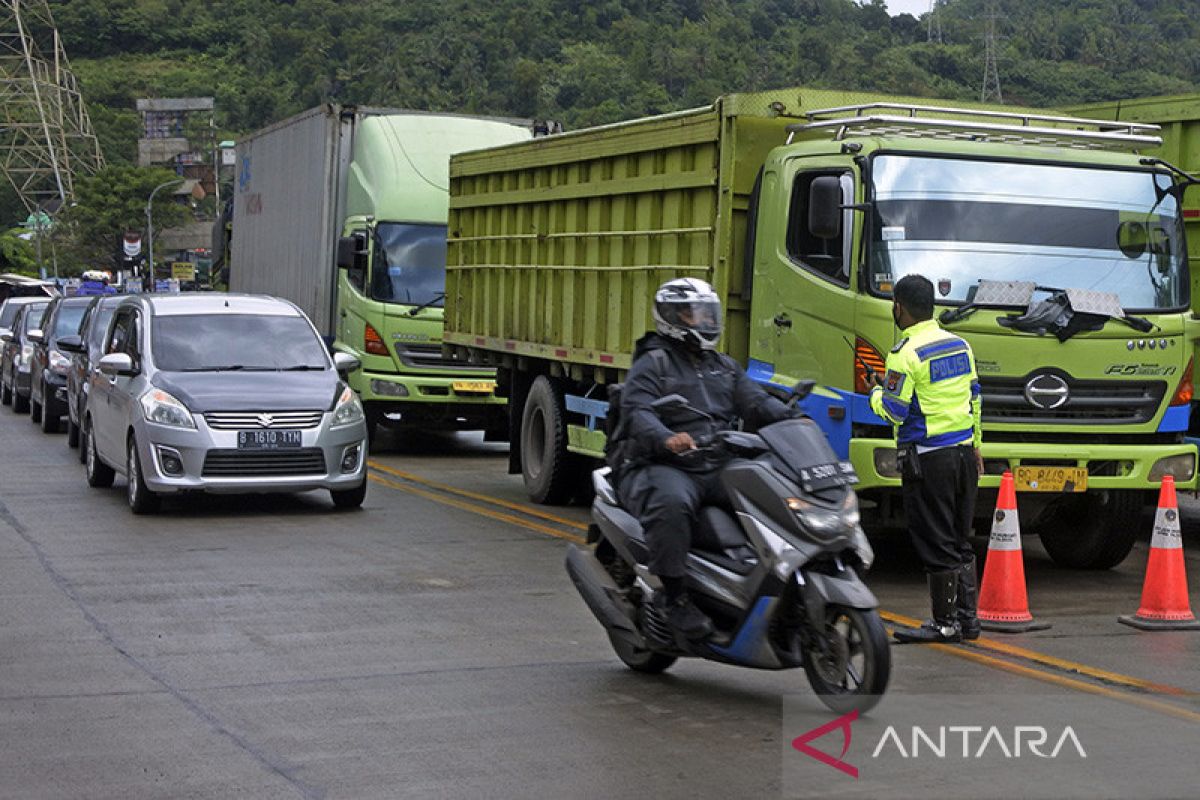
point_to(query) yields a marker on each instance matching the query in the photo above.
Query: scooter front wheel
(639, 659)
(851, 671)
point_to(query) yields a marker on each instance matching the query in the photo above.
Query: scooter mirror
(803, 389)
(672, 402)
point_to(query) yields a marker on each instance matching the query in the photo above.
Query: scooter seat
(716, 531)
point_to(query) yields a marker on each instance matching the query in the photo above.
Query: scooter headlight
(826, 521)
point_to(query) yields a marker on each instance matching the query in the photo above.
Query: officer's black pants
(939, 506)
(666, 501)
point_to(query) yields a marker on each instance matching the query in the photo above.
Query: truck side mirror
(825, 207)
(351, 252)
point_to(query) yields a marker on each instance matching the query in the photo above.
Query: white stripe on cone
(1006, 531)
(1167, 535)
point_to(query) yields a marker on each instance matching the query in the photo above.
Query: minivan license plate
(268, 440)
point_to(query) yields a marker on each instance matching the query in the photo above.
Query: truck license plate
(268, 440)
(473, 387)
(1051, 479)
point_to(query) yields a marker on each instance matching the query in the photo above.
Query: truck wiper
(439, 296)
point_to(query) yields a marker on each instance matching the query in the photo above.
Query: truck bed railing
(938, 122)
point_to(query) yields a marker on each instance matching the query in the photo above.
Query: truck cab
(1058, 253)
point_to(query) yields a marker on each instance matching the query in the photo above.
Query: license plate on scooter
(825, 476)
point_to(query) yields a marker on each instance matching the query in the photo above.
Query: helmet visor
(703, 317)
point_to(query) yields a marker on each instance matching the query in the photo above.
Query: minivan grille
(253, 420)
(270, 463)
(1103, 402)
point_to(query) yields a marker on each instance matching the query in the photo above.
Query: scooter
(779, 572)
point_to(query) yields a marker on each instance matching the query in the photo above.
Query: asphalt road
(431, 645)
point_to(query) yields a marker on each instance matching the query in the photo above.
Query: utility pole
(991, 71)
(933, 21)
(46, 136)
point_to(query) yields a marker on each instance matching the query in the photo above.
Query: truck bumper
(1109, 466)
(448, 402)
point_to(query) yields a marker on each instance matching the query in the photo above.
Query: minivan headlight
(162, 408)
(348, 411)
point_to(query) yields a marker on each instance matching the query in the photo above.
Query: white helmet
(689, 311)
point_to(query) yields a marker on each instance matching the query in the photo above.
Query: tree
(114, 201)
(17, 254)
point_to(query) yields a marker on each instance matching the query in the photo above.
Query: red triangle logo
(843, 722)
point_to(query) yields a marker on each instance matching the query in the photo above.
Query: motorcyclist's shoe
(684, 618)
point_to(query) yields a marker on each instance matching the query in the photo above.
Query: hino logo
(1046, 392)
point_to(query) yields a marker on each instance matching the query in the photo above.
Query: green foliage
(113, 201)
(17, 254)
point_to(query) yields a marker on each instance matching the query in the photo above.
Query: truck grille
(1096, 402)
(264, 464)
(429, 356)
(254, 420)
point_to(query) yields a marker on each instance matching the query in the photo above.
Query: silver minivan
(222, 393)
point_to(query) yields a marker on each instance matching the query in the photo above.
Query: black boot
(968, 600)
(680, 612)
(943, 594)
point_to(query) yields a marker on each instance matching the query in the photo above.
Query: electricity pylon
(46, 137)
(934, 21)
(991, 71)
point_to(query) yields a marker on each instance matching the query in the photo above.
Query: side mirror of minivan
(116, 364)
(35, 336)
(5, 335)
(825, 207)
(70, 344)
(345, 363)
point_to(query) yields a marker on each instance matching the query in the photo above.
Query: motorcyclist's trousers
(667, 501)
(939, 505)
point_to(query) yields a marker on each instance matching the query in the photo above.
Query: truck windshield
(410, 263)
(957, 221)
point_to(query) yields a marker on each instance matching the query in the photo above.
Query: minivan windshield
(220, 342)
(957, 221)
(33, 317)
(67, 321)
(8, 312)
(410, 263)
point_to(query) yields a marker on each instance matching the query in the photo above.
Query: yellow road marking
(970, 652)
(443, 487)
(985, 643)
(570, 537)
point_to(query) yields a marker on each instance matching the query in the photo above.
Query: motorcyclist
(663, 478)
(94, 283)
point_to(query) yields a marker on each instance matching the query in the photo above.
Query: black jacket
(712, 382)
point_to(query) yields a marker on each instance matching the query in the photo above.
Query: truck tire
(1095, 531)
(548, 469)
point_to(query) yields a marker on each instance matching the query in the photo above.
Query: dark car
(48, 368)
(85, 348)
(16, 355)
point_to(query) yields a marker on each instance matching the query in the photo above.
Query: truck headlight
(348, 411)
(162, 408)
(1181, 467)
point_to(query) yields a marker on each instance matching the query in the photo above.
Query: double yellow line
(989, 652)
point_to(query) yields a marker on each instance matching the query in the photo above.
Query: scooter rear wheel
(641, 660)
(852, 672)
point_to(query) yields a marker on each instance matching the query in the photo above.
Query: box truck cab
(1056, 248)
(342, 210)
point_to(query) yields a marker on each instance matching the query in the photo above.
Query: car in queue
(222, 394)
(85, 348)
(49, 364)
(18, 352)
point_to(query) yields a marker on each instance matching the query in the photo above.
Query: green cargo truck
(342, 210)
(803, 218)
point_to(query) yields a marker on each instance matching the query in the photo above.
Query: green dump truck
(343, 211)
(803, 207)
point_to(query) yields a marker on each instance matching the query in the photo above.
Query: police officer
(665, 478)
(931, 395)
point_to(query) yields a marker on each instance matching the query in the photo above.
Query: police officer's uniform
(931, 395)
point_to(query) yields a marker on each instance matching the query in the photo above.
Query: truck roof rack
(969, 124)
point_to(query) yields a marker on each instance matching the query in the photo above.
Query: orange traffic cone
(1164, 592)
(1003, 606)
